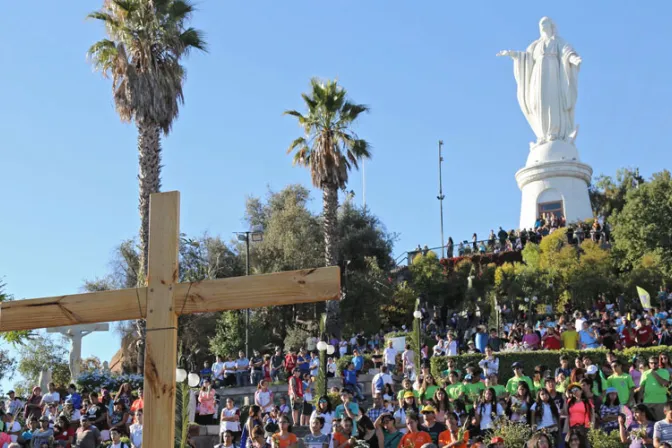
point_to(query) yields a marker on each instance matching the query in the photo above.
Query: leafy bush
(343, 361)
(296, 337)
(125, 440)
(97, 380)
(600, 439)
(484, 259)
(514, 434)
(548, 358)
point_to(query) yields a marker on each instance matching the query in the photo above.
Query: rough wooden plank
(161, 341)
(60, 311)
(282, 288)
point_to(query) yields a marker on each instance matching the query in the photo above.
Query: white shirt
(218, 370)
(231, 426)
(387, 379)
(451, 349)
(546, 415)
(230, 367)
(51, 397)
(489, 365)
(136, 435)
(390, 355)
(578, 324)
(332, 368)
(486, 415)
(13, 427)
(438, 349)
(328, 421)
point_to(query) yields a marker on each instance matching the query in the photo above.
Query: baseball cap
(591, 370)
(468, 376)
(428, 410)
(44, 418)
(611, 390)
(84, 418)
(517, 365)
(408, 394)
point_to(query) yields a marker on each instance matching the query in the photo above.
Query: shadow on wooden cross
(160, 303)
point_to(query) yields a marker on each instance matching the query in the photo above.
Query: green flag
(644, 298)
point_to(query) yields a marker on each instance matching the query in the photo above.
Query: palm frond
(193, 38)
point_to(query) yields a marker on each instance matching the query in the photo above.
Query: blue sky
(427, 69)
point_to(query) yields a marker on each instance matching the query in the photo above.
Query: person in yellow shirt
(569, 338)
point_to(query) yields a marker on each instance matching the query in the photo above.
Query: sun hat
(428, 410)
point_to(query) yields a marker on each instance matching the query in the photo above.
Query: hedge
(549, 358)
(343, 361)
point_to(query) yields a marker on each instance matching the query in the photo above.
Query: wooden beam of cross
(161, 302)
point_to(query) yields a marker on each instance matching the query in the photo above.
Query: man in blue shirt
(350, 381)
(358, 361)
(74, 397)
(242, 370)
(481, 339)
(587, 337)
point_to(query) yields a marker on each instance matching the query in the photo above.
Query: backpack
(380, 383)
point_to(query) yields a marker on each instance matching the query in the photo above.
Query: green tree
(41, 351)
(146, 41)
(608, 195)
(644, 225)
(329, 150)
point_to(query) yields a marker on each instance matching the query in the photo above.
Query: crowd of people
(53, 418)
(515, 240)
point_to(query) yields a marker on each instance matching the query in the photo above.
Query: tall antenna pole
(440, 197)
(363, 185)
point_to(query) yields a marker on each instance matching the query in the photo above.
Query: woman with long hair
(206, 404)
(442, 404)
(610, 410)
(125, 395)
(428, 388)
(580, 414)
(263, 397)
(488, 410)
(324, 410)
(577, 375)
(545, 414)
(518, 406)
(284, 437)
(640, 431)
(540, 440)
(254, 419)
(576, 439)
(664, 362)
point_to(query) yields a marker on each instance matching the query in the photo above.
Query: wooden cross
(160, 303)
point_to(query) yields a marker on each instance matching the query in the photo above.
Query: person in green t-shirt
(653, 387)
(455, 389)
(493, 382)
(473, 388)
(518, 376)
(622, 382)
(406, 386)
(451, 368)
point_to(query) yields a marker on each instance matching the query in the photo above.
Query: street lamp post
(417, 316)
(256, 234)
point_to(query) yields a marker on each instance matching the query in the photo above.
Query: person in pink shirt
(531, 338)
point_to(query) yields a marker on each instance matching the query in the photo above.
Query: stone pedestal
(554, 174)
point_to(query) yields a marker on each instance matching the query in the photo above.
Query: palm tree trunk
(330, 210)
(149, 179)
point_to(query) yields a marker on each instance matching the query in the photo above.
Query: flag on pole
(644, 298)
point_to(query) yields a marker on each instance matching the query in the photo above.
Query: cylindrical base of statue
(554, 181)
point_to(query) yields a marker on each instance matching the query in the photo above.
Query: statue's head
(547, 27)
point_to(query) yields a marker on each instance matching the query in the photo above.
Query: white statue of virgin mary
(547, 77)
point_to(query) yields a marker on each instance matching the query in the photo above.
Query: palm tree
(329, 149)
(146, 40)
